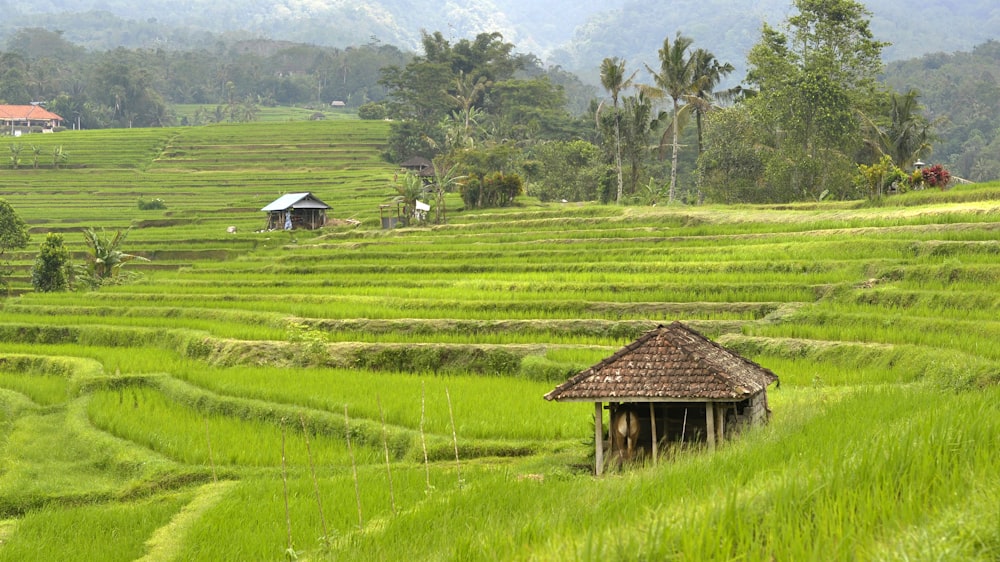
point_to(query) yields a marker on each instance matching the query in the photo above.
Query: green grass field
(273, 395)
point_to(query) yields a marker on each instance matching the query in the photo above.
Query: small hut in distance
(672, 385)
(296, 210)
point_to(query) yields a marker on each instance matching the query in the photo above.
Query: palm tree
(903, 134)
(409, 190)
(676, 79)
(639, 122)
(908, 136)
(614, 81)
(708, 72)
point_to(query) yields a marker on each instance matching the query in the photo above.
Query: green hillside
(271, 395)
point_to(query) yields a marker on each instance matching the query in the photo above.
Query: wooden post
(652, 427)
(598, 438)
(720, 423)
(710, 422)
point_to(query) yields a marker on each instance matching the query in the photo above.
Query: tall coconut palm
(902, 133)
(614, 81)
(908, 137)
(676, 79)
(708, 73)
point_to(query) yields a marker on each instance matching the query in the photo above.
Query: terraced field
(362, 394)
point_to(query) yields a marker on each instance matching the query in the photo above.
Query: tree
(51, 271)
(708, 73)
(106, 257)
(564, 170)
(13, 236)
(466, 94)
(446, 180)
(814, 80)
(638, 123)
(905, 135)
(408, 191)
(614, 81)
(492, 190)
(731, 169)
(676, 79)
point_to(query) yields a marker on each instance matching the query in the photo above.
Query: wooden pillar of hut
(598, 438)
(710, 422)
(720, 422)
(652, 427)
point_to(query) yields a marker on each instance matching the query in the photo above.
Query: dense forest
(796, 128)
(961, 93)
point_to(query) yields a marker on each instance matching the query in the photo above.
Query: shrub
(52, 268)
(372, 111)
(936, 176)
(880, 178)
(152, 204)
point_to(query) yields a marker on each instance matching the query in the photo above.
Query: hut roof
(26, 112)
(422, 166)
(669, 363)
(296, 200)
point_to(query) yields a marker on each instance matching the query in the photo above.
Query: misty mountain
(575, 34)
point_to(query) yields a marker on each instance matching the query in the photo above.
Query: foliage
(813, 81)
(152, 204)
(613, 80)
(16, 149)
(675, 79)
(936, 176)
(372, 110)
(492, 190)
(13, 236)
(904, 134)
(731, 170)
(563, 170)
(52, 270)
(106, 257)
(409, 189)
(882, 178)
(961, 97)
(473, 92)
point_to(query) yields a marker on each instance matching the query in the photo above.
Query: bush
(936, 176)
(52, 269)
(152, 204)
(372, 111)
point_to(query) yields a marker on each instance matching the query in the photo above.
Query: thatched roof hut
(672, 385)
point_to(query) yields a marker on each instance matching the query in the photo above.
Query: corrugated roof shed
(666, 364)
(296, 200)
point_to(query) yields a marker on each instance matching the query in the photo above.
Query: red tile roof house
(18, 117)
(672, 385)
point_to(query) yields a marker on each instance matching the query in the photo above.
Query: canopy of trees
(961, 92)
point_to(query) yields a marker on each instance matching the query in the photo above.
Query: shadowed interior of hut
(631, 434)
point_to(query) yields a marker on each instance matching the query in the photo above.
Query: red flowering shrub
(936, 176)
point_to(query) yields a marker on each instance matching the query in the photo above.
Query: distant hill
(574, 34)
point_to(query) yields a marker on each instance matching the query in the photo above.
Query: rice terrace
(355, 393)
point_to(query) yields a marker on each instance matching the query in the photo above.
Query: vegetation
(185, 415)
(52, 270)
(13, 236)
